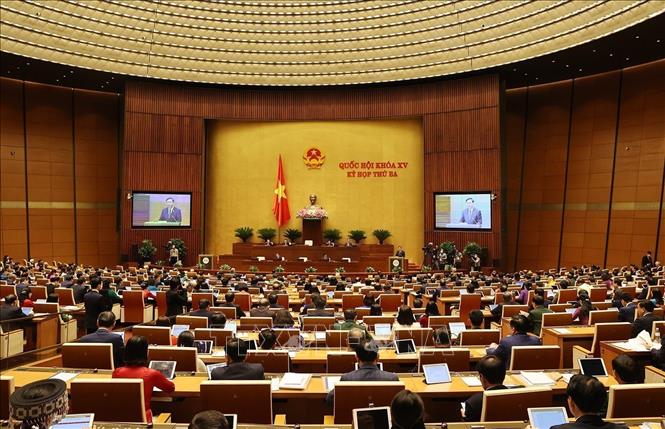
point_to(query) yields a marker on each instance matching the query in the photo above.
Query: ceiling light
(611, 54)
(627, 58)
(637, 37)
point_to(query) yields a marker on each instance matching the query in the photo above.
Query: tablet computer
(404, 346)
(212, 366)
(372, 418)
(74, 421)
(546, 417)
(594, 367)
(26, 310)
(437, 373)
(166, 367)
(492, 307)
(251, 345)
(456, 328)
(203, 347)
(232, 419)
(382, 329)
(178, 329)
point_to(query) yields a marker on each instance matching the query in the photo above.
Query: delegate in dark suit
(171, 214)
(201, 313)
(627, 313)
(95, 303)
(175, 301)
(504, 349)
(239, 371)
(9, 311)
(365, 372)
(104, 336)
(589, 421)
(472, 217)
(473, 407)
(644, 323)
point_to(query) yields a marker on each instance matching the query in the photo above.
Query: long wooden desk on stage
(566, 337)
(308, 405)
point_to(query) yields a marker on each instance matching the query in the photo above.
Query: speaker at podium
(205, 262)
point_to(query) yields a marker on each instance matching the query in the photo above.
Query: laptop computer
(74, 421)
(546, 417)
(26, 310)
(372, 418)
(592, 366)
(212, 366)
(456, 329)
(178, 329)
(382, 329)
(437, 373)
(203, 347)
(166, 367)
(404, 346)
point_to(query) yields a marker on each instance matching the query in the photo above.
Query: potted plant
(292, 234)
(310, 270)
(397, 269)
(425, 269)
(244, 233)
(381, 235)
(266, 234)
(370, 270)
(278, 269)
(225, 267)
(448, 247)
(472, 248)
(332, 235)
(340, 270)
(179, 244)
(253, 269)
(146, 251)
(357, 235)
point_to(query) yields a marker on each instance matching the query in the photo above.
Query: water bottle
(656, 337)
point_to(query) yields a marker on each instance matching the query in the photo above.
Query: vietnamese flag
(280, 207)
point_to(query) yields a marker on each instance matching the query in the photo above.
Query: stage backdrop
(241, 168)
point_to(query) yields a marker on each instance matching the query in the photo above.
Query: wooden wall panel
(164, 140)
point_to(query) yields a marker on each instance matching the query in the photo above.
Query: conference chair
(65, 296)
(661, 288)
(534, 357)
(288, 337)
(219, 337)
(390, 301)
(467, 303)
(457, 359)
(133, 308)
(6, 390)
(273, 361)
(250, 400)
(160, 298)
(513, 309)
(87, 355)
(555, 319)
(68, 329)
(420, 336)
(602, 332)
(370, 321)
(330, 312)
(566, 295)
(336, 338)
(435, 322)
(254, 323)
(479, 337)
(156, 335)
(636, 400)
(283, 300)
(317, 324)
(193, 321)
(244, 300)
(602, 305)
(598, 294)
(352, 301)
(630, 290)
(362, 312)
(198, 296)
(185, 357)
(529, 298)
(559, 308)
(7, 290)
(340, 362)
(603, 316)
(361, 394)
(11, 342)
(512, 404)
(38, 292)
(228, 312)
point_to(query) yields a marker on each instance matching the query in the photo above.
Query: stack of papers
(274, 384)
(537, 378)
(330, 381)
(320, 335)
(292, 380)
(567, 377)
(65, 376)
(472, 381)
(562, 330)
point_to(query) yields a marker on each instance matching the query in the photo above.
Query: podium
(395, 263)
(206, 262)
(312, 230)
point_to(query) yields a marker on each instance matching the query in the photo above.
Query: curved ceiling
(305, 42)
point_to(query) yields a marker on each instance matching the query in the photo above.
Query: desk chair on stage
(340, 362)
(361, 394)
(479, 337)
(158, 335)
(636, 400)
(273, 361)
(185, 357)
(87, 355)
(193, 321)
(250, 400)
(457, 359)
(512, 404)
(534, 357)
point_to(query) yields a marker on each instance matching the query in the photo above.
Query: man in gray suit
(471, 215)
(367, 353)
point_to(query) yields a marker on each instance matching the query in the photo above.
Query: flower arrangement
(278, 269)
(340, 270)
(225, 267)
(312, 213)
(370, 270)
(310, 270)
(397, 269)
(253, 269)
(426, 269)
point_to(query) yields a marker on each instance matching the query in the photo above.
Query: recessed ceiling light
(637, 37)
(553, 61)
(594, 50)
(658, 41)
(627, 58)
(611, 54)
(579, 70)
(514, 69)
(526, 74)
(567, 65)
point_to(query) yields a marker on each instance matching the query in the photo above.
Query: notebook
(537, 378)
(592, 366)
(546, 417)
(404, 346)
(166, 367)
(372, 418)
(75, 421)
(437, 373)
(64, 376)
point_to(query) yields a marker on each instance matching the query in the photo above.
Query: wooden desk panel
(574, 335)
(609, 350)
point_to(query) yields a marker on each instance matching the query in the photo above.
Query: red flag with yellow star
(280, 207)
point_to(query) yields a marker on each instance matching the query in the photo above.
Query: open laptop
(546, 417)
(75, 421)
(203, 347)
(404, 346)
(382, 329)
(166, 367)
(456, 329)
(492, 307)
(437, 373)
(26, 310)
(212, 366)
(178, 329)
(594, 367)
(372, 418)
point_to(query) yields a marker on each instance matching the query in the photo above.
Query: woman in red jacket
(136, 361)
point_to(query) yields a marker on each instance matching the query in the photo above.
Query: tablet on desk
(437, 373)
(404, 346)
(212, 366)
(166, 367)
(372, 418)
(382, 329)
(26, 310)
(75, 421)
(176, 330)
(232, 419)
(594, 367)
(546, 417)
(570, 310)
(203, 347)
(456, 329)
(493, 306)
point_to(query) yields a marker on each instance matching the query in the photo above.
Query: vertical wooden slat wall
(164, 140)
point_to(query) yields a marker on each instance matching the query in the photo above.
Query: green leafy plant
(425, 269)
(225, 267)
(147, 250)
(332, 235)
(310, 270)
(244, 233)
(340, 270)
(370, 270)
(397, 269)
(253, 269)
(448, 247)
(381, 235)
(159, 262)
(292, 234)
(278, 269)
(179, 244)
(471, 248)
(266, 234)
(357, 235)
